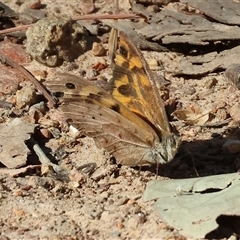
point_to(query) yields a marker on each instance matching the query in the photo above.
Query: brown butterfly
(130, 120)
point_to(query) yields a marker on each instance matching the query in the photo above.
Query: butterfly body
(129, 120)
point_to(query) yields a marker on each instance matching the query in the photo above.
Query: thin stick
(45, 160)
(76, 18)
(6, 60)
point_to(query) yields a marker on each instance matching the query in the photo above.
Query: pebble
(105, 217)
(232, 74)
(234, 112)
(45, 133)
(87, 6)
(153, 8)
(133, 222)
(36, 5)
(26, 97)
(189, 90)
(98, 49)
(153, 63)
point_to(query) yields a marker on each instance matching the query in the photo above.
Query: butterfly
(129, 118)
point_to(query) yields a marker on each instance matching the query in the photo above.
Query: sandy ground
(107, 203)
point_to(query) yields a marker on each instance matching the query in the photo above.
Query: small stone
(45, 133)
(153, 63)
(77, 176)
(36, 5)
(133, 222)
(233, 146)
(153, 8)
(234, 112)
(189, 90)
(105, 217)
(26, 97)
(87, 6)
(232, 74)
(98, 49)
(73, 132)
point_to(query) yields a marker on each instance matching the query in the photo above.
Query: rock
(87, 6)
(233, 146)
(53, 40)
(98, 49)
(234, 112)
(153, 63)
(26, 97)
(232, 74)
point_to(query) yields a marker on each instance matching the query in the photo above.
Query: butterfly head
(166, 150)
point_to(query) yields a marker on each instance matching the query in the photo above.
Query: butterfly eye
(123, 52)
(70, 85)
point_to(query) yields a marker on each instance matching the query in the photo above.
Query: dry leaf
(195, 205)
(193, 116)
(13, 150)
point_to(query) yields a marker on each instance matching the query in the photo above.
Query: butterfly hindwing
(90, 109)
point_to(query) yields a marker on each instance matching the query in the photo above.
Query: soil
(106, 203)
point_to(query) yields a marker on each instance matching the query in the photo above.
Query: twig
(6, 60)
(41, 155)
(45, 160)
(110, 16)
(76, 18)
(15, 29)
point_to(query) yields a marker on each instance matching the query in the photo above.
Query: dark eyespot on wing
(96, 96)
(115, 108)
(123, 51)
(70, 85)
(58, 94)
(127, 90)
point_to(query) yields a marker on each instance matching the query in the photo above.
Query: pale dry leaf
(13, 150)
(195, 205)
(196, 116)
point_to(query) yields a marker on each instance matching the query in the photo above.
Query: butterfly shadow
(200, 158)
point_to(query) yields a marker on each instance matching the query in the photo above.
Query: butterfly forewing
(133, 85)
